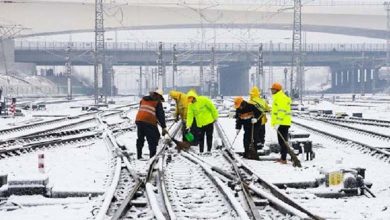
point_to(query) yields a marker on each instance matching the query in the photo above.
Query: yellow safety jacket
(203, 110)
(262, 105)
(181, 104)
(281, 109)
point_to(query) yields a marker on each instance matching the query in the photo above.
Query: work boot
(283, 161)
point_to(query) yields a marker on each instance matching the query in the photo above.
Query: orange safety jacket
(147, 112)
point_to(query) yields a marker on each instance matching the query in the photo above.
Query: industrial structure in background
(161, 67)
(387, 7)
(99, 49)
(174, 66)
(68, 70)
(260, 70)
(296, 91)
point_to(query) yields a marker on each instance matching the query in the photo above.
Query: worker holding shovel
(247, 116)
(281, 121)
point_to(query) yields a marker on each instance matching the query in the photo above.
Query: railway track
(21, 133)
(127, 197)
(55, 136)
(366, 141)
(362, 121)
(187, 186)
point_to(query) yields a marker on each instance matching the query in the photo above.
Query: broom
(294, 158)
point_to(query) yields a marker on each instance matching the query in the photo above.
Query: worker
(201, 109)
(181, 110)
(281, 118)
(247, 116)
(150, 114)
(262, 105)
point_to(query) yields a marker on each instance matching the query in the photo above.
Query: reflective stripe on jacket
(244, 114)
(281, 109)
(147, 112)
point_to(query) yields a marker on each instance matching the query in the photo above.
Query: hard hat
(276, 86)
(159, 92)
(254, 91)
(237, 101)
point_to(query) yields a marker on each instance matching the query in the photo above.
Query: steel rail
(290, 205)
(347, 140)
(126, 203)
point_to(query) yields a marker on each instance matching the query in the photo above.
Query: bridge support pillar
(107, 77)
(354, 78)
(7, 56)
(234, 78)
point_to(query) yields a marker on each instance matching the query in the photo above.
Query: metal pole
(68, 67)
(387, 6)
(99, 46)
(174, 66)
(297, 51)
(140, 81)
(160, 66)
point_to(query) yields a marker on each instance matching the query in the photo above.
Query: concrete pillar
(234, 79)
(7, 56)
(106, 78)
(334, 77)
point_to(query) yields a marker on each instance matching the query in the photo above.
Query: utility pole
(160, 67)
(213, 77)
(99, 46)
(68, 70)
(297, 51)
(387, 7)
(140, 82)
(174, 66)
(201, 75)
(260, 69)
(270, 68)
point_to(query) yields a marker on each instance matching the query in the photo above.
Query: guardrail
(153, 46)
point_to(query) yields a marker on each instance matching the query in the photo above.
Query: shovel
(180, 145)
(294, 158)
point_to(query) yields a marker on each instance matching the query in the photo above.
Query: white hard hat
(160, 92)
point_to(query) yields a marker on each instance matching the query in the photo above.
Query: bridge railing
(195, 46)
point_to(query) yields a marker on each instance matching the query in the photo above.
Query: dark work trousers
(183, 130)
(248, 137)
(208, 130)
(261, 133)
(152, 136)
(283, 130)
(195, 131)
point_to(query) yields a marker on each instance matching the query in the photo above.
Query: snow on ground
(330, 157)
(87, 166)
(75, 167)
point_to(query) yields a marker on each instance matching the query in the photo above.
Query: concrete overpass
(49, 17)
(350, 63)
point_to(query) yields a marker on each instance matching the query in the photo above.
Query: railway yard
(63, 162)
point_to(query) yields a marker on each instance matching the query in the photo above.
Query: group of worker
(251, 115)
(198, 115)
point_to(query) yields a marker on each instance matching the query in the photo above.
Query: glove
(188, 130)
(276, 127)
(253, 120)
(176, 119)
(238, 131)
(164, 132)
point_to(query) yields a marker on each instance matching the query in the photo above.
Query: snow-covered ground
(87, 166)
